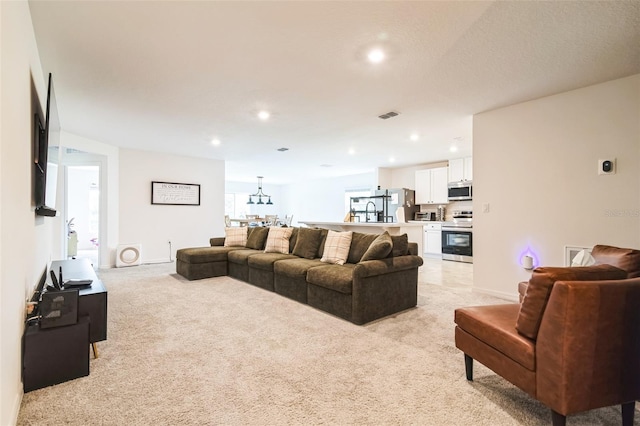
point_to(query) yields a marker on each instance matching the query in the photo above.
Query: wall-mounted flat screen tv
(46, 152)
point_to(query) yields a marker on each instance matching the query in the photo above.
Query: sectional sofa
(376, 276)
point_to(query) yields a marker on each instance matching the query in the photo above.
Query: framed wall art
(177, 194)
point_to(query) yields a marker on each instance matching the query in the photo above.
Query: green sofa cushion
(265, 261)
(296, 268)
(257, 237)
(333, 277)
(400, 245)
(204, 254)
(307, 243)
(379, 248)
(359, 245)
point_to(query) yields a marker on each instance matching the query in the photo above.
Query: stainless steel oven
(457, 242)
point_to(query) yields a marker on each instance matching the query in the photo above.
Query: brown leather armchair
(574, 341)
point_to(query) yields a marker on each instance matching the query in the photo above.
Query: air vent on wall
(388, 115)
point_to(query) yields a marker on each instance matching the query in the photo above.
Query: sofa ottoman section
(290, 277)
(202, 262)
(261, 268)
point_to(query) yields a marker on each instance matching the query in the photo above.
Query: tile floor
(447, 273)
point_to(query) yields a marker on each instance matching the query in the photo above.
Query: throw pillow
(379, 248)
(360, 243)
(623, 258)
(336, 247)
(257, 237)
(307, 243)
(235, 236)
(540, 287)
(400, 245)
(278, 240)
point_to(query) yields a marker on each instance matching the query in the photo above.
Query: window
(235, 205)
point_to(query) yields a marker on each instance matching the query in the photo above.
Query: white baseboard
(154, 261)
(502, 295)
(15, 409)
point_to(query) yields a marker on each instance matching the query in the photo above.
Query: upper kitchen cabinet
(431, 186)
(461, 170)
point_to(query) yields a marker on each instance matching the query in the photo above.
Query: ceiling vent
(388, 115)
(326, 165)
(282, 149)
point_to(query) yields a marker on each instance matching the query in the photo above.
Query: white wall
(535, 165)
(261, 210)
(323, 199)
(154, 225)
(25, 243)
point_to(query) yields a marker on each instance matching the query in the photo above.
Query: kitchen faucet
(366, 210)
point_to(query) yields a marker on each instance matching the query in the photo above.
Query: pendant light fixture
(260, 194)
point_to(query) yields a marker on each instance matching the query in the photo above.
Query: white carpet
(223, 352)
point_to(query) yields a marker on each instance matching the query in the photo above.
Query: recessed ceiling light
(453, 148)
(376, 56)
(352, 151)
(263, 115)
(215, 141)
(392, 160)
(414, 137)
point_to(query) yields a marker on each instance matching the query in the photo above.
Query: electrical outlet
(485, 208)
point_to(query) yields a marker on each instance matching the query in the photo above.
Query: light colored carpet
(219, 351)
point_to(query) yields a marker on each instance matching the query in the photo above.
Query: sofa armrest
(522, 290)
(413, 248)
(370, 268)
(384, 287)
(216, 241)
(587, 349)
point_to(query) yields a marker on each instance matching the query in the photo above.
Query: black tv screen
(46, 155)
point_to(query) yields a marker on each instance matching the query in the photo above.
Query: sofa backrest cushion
(541, 284)
(623, 258)
(307, 243)
(278, 240)
(360, 243)
(379, 248)
(324, 232)
(294, 237)
(257, 237)
(235, 236)
(336, 247)
(400, 245)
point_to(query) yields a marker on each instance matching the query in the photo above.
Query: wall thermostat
(607, 167)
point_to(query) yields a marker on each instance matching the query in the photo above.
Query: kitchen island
(414, 231)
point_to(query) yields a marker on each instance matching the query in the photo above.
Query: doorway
(82, 212)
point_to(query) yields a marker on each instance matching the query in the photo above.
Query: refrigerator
(396, 204)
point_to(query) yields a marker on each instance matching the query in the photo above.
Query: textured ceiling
(171, 76)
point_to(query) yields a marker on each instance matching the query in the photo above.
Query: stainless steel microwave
(459, 191)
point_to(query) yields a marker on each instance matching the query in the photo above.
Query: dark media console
(60, 353)
(55, 355)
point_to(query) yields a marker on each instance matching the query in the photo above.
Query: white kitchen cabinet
(431, 186)
(461, 170)
(432, 240)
